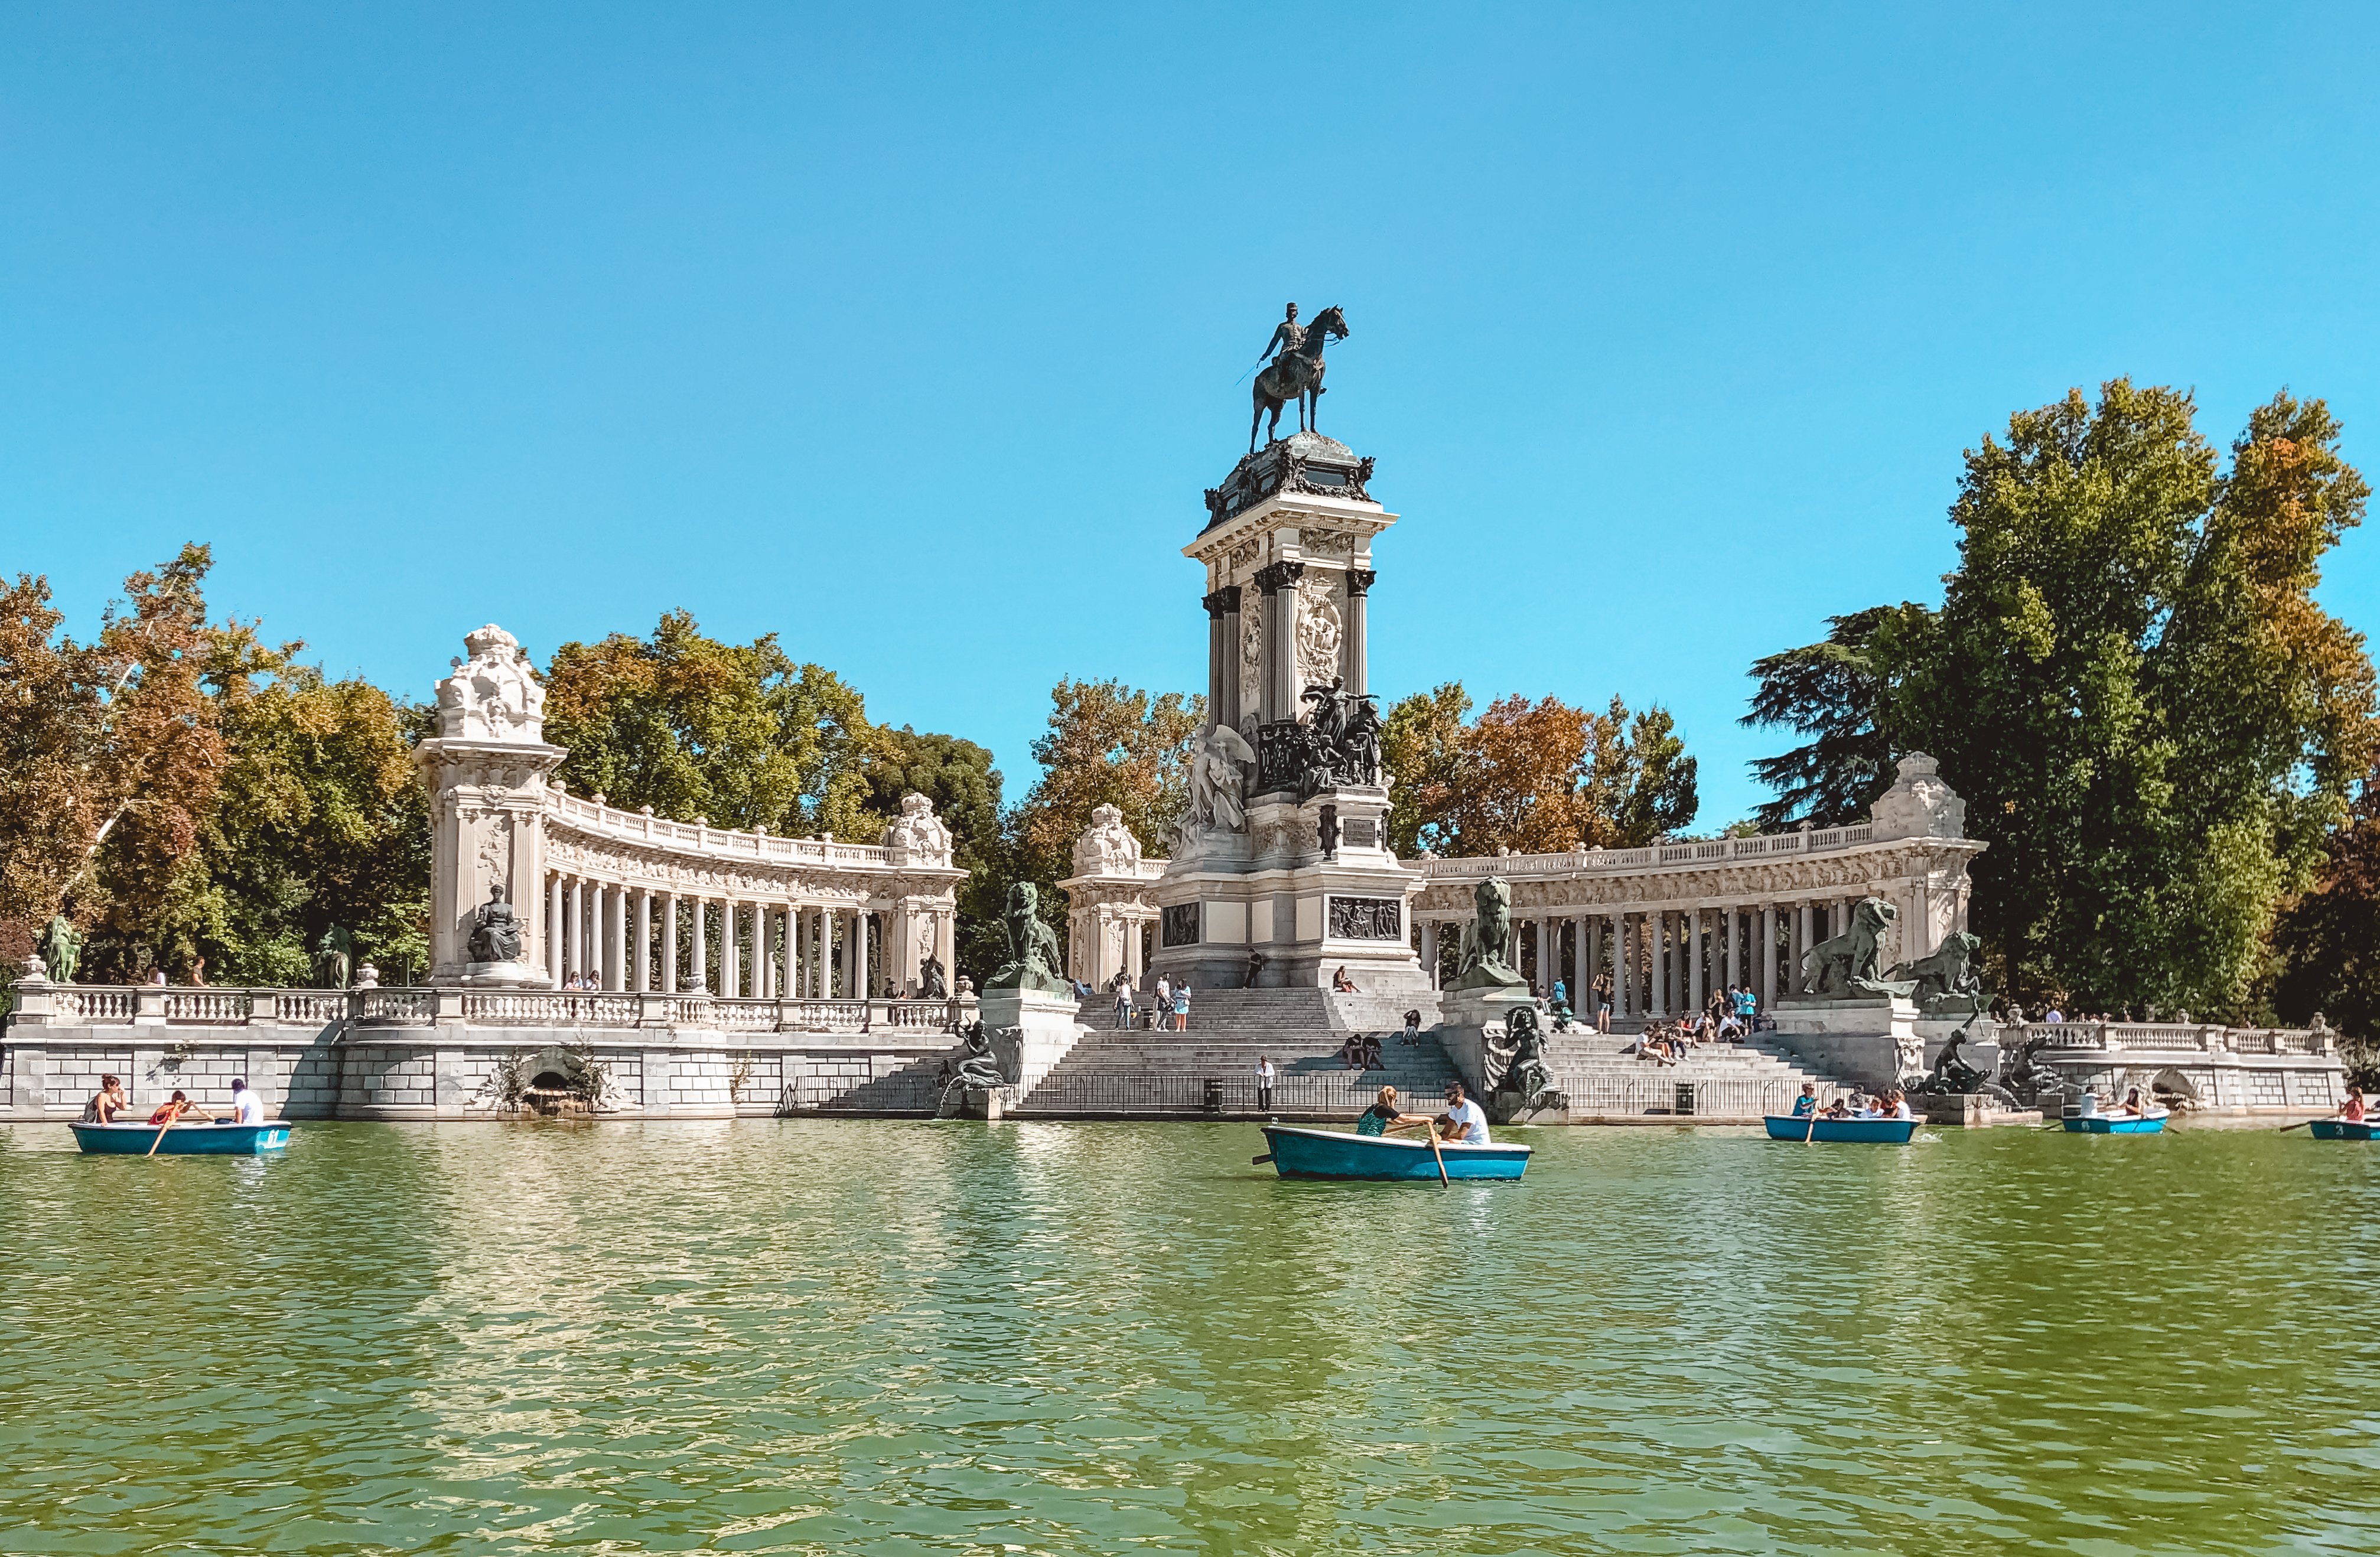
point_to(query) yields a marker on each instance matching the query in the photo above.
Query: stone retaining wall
(49, 1072)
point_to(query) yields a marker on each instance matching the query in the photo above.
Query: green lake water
(909, 1338)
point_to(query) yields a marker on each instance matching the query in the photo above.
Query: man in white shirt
(1265, 1074)
(247, 1108)
(1464, 1122)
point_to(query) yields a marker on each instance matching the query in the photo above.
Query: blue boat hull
(2115, 1124)
(182, 1140)
(1335, 1154)
(1866, 1132)
(2342, 1129)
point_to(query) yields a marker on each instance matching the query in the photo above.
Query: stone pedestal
(1467, 1018)
(486, 773)
(1962, 1110)
(1871, 1040)
(1307, 884)
(1031, 1031)
(1273, 890)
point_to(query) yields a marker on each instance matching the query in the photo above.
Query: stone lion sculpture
(1949, 973)
(1846, 966)
(1484, 939)
(1034, 960)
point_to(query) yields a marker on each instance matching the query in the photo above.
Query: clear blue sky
(912, 334)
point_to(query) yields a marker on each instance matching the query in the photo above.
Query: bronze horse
(1296, 375)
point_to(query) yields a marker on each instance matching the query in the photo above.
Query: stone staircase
(1729, 1080)
(1209, 1071)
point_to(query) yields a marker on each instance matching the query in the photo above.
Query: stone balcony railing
(726, 843)
(43, 1004)
(1709, 851)
(2170, 1037)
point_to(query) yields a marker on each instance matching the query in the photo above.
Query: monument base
(1871, 1040)
(1273, 892)
(1031, 1031)
(1466, 1019)
(494, 976)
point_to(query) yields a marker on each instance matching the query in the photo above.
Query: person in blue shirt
(1807, 1103)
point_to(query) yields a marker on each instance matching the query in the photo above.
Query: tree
(1830, 691)
(957, 775)
(2329, 938)
(1533, 777)
(50, 720)
(155, 764)
(1641, 785)
(1108, 744)
(320, 821)
(737, 734)
(2152, 722)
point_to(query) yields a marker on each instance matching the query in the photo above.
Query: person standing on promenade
(1265, 1074)
(1123, 987)
(1181, 1006)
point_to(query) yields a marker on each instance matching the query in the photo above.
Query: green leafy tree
(1831, 691)
(2329, 937)
(738, 733)
(1531, 776)
(2153, 723)
(319, 822)
(957, 775)
(1107, 744)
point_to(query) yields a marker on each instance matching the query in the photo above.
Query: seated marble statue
(495, 931)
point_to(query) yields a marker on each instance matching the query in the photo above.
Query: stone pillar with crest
(486, 772)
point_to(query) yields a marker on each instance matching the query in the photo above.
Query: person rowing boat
(2352, 1109)
(1385, 1118)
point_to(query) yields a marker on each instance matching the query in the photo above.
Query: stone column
(1280, 678)
(617, 970)
(1354, 651)
(1801, 947)
(576, 962)
(698, 976)
(1734, 970)
(640, 966)
(1430, 951)
(1656, 950)
(1764, 924)
(669, 944)
(554, 920)
(1589, 952)
(1695, 946)
(1617, 938)
(1223, 655)
(859, 990)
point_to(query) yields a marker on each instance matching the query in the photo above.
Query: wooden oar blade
(1259, 1161)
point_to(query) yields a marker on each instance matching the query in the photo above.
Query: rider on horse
(1287, 337)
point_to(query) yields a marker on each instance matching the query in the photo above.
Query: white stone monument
(486, 772)
(1284, 852)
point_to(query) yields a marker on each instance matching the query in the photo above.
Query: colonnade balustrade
(1650, 964)
(641, 941)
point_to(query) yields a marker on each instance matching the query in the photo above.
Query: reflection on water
(805, 1336)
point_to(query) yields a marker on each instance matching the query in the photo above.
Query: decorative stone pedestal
(1871, 1040)
(1468, 1017)
(498, 976)
(1275, 891)
(1031, 1031)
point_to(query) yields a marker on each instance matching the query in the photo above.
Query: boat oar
(1259, 1161)
(2299, 1125)
(1812, 1128)
(171, 1119)
(1434, 1151)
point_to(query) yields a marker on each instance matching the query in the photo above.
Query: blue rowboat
(2152, 1124)
(1335, 1154)
(182, 1140)
(1871, 1132)
(2342, 1129)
